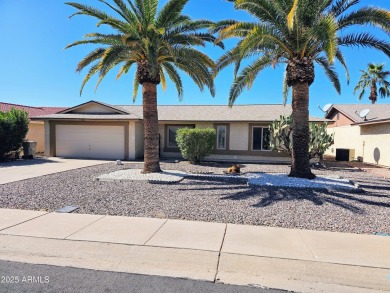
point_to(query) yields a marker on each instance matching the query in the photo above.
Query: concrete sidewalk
(290, 259)
(21, 170)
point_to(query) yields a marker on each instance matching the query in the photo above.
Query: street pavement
(33, 278)
(286, 259)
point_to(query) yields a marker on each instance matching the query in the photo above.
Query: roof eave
(84, 119)
(379, 121)
(119, 111)
(342, 112)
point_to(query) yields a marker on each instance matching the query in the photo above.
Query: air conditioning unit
(345, 154)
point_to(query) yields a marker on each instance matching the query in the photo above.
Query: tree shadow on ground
(273, 195)
(270, 196)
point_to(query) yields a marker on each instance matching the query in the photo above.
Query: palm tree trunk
(300, 166)
(151, 134)
(373, 94)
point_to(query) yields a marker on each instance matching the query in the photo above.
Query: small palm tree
(298, 33)
(372, 78)
(158, 43)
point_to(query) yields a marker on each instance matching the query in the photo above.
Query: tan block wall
(346, 137)
(376, 140)
(372, 142)
(36, 132)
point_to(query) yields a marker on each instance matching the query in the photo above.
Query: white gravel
(283, 181)
(258, 179)
(171, 176)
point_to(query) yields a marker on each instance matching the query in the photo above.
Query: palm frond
(163, 79)
(330, 73)
(285, 88)
(367, 16)
(91, 57)
(292, 15)
(87, 10)
(341, 59)
(364, 40)
(221, 25)
(169, 12)
(135, 88)
(125, 68)
(92, 71)
(175, 77)
(247, 77)
(266, 11)
(340, 6)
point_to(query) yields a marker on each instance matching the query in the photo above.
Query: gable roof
(219, 113)
(378, 112)
(104, 106)
(92, 110)
(206, 113)
(31, 111)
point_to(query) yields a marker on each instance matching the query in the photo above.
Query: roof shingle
(209, 113)
(31, 111)
(377, 111)
(219, 113)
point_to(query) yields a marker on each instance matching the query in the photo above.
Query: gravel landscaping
(171, 176)
(207, 199)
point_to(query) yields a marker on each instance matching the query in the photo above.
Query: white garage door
(90, 141)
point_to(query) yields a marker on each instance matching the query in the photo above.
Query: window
(221, 137)
(171, 134)
(260, 138)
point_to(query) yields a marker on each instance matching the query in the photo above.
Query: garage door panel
(90, 141)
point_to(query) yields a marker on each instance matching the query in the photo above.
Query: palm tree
(158, 43)
(298, 33)
(372, 78)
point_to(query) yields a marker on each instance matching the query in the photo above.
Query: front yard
(213, 200)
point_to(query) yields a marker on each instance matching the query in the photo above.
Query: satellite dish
(325, 108)
(363, 114)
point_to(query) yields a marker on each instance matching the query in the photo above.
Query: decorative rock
(171, 176)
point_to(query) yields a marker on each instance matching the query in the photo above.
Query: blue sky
(36, 70)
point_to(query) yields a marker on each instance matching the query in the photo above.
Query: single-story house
(36, 130)
(99, 130)
(363, 129)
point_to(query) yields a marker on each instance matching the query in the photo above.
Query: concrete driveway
(26, 169)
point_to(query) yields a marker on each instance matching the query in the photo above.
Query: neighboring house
(36, 131)
(98, 130)
(368, 137)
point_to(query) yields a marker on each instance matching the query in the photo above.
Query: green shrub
(13, 129)
(196, 143)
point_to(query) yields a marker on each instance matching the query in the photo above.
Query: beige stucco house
(368, 136)
(36, 130)
(98, 130)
